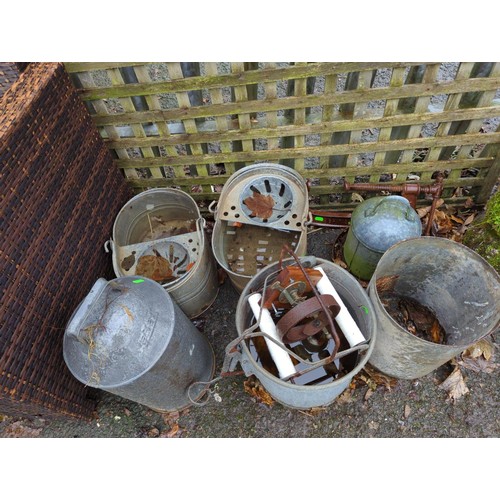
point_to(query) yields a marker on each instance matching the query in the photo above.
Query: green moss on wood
(483, 239)
(492, 216)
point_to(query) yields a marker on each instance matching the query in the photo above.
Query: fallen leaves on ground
(346, 396)
(455, 385)
(478, 365)
(484, 348)
(315, 411)
(260, 205)
(479, 357)
(449, 221)
(253, 387)
(172, 420)
(373, 378)
(174, 431)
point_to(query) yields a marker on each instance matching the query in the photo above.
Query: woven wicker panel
(60, 193)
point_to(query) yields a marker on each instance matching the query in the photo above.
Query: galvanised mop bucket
(454, 282)
(261, 208)
(129, 338)
(282, 390)
(163, 228)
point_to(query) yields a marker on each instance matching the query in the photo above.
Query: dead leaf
(340, 263)
(422, 212)
(456, 219)
(478, 365)
(386, 283)
(356, 197)
(253, 387)
(153, 432)
(443, 222)
(469, 202)
(369, 392)
(369, 382)
(345, 397)
(436, 332)
(407, 411)
(380, 378)
(128, 261)
(175, 429)
(154, 267)
(469, 219)
(313, 412)
(455, 385)
(484, 348)
(260, 205)
(170, 418)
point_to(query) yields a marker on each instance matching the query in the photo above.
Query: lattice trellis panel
(190, 125)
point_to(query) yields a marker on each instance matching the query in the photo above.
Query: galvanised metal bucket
(129, 338)
(377, 224)
(308, 396)
(168, 221)
(454, 282)
(242, 242)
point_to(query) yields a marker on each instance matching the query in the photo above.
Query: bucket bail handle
(231, 360)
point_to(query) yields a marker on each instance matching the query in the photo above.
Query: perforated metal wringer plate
(160, 234)
(261, 208)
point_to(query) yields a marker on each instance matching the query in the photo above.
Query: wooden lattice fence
(191, 125)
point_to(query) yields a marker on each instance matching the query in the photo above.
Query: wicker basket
(55, 211)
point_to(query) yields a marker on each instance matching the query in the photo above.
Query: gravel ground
(402, 409)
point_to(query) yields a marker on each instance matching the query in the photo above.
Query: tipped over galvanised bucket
(129, 338)
(450, 279)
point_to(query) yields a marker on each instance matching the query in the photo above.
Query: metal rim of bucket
(168, 303)
(366, 354)
(294, 182)
(373, 289)
(148, 192)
